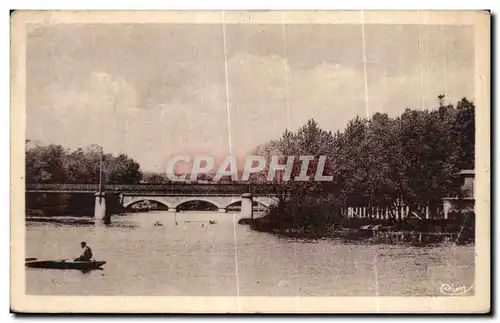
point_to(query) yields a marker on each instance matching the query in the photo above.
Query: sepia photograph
(250, 161)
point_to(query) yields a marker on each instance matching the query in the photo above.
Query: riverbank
(352, 230)
(61, 219)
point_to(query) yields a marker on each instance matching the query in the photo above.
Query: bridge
(171, 195)
(173, 202)
(175, 187)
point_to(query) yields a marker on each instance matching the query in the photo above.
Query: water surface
(195, 258)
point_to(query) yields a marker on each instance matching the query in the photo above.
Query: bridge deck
(174, 188)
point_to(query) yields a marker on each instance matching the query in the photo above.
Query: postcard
(250, 162)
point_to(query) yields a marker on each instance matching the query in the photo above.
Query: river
(227, 259)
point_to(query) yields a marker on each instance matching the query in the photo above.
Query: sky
(153, 91)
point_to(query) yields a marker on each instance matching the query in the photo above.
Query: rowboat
(65, 264)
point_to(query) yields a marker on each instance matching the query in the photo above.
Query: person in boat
(86, 253)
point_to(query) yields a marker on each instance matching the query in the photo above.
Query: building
(465, 201)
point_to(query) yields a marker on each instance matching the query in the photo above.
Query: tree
(411, 160)
(54, 164)
(45, 164)
(295, 197)
(121, 170)
(463, 130)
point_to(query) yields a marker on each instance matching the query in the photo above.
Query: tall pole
(100, 174)
(100, 201)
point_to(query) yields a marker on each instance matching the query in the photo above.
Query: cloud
(110, 93)
(188, 115)
(257, 79)
(95, 111)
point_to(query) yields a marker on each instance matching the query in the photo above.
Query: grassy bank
(459, 228)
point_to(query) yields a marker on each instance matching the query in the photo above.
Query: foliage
(412, 159)
(55, 164)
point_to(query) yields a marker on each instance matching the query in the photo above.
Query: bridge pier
(222, 210)
(122, 199)
(172, 210)
(100, 209)
(247, 205)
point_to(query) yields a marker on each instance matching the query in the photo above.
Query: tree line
(56, 164)
(412, 160)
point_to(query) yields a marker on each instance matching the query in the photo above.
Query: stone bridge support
(100, 212)
(247, 206)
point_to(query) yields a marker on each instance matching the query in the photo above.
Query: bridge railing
(152, 188)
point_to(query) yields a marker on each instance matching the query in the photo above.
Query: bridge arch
(256, 202)
(173, 202)
(129, 202)
(197, 199)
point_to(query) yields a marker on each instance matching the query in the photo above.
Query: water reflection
(206, 253)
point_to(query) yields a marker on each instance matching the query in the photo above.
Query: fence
(385, 213)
